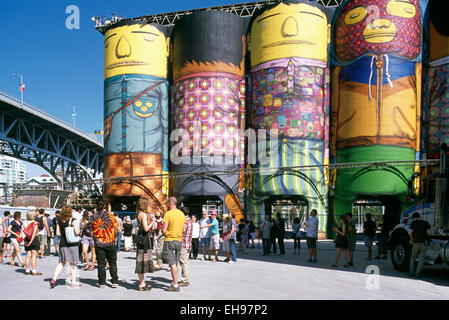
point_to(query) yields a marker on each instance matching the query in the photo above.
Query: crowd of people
(176, 237)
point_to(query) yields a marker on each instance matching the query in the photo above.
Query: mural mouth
(379, 37)
(280, 43)
(126, 64)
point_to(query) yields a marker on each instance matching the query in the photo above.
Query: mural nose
(379, 23)
(123, 49)
(290, 27)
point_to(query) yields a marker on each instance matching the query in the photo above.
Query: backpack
(70, 236)
(41, 223)
(29, 229)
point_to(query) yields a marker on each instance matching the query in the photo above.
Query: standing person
(186, 248)
(227, 224)
(87, 242)
(382, 240)
(312, 234)
(159, 236)
(341, 242)
(265, 229)
(7, 236)
(104, 229)
(214, 234)
(32, 245)
(419, 232)
(252, 233)
(119, 234)
(49, 235)
(134, 232)
(127, 233)
(233, 238)
(174, 221)
(195, 237)
(280, 233)
(369, 231)
(68, 252)
(244, 232)
(144, 253)
(296, 235)
(2, 237)
(205, 235)
(43, 230)
(273, 233)
(15, 229)
(55, 237)
(351, 235)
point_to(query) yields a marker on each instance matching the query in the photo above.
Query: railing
(40, 113)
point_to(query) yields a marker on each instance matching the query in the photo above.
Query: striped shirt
(187, 234)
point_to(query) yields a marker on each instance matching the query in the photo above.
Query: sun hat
(214, 213)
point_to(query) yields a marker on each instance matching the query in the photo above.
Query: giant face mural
(136, 110)
(208, 51)
(289, 92)
(376, 96)
(436, 85)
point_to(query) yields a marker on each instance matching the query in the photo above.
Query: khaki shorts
(42, 239)
(215, 242)
(171, 252)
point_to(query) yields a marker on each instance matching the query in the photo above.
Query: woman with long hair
(341, 243)
(87, 242)
(144, 254)
(15, 229)
(68, 252)
(32, 246)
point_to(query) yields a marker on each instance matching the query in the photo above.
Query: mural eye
(355, 15)
(401, 9)
(149, 38)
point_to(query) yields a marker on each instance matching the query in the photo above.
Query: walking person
(265, 229)
(144, 243)
(351, 235)
(55, 237)
(43, 231)
(127, 233)
(6, 243)
(419, 232)
(312, 235)
(252, 233)
(68, 252)
(87, 242)
(31, 245)
(174, 221)
(214, 234)
(382, 240)
(369, 231)
(296, 235)
(185, 249)
(280, 233)
(205, 235)
(104, 229)
(15, 229)
(341, 242)
(119, 234)
(195, 238)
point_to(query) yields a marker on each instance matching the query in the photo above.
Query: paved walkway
(252, 277)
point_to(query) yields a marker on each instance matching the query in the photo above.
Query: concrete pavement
(253, 277)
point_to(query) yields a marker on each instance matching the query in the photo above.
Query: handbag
(70, 235)
(29, 230)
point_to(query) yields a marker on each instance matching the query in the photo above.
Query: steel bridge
(242, 9)
(35, 136)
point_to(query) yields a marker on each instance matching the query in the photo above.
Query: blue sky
(65, 67)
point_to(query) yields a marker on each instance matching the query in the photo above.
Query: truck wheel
(400, 253)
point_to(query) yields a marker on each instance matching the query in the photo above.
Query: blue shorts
(56, 241)
(204, 242)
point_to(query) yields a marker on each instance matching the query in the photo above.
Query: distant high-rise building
(12, 171)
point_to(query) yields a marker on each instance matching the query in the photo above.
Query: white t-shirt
(312, 227)
(195, 230)
(204, 233)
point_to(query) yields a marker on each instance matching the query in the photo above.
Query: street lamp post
(73, 115)
(22, 86)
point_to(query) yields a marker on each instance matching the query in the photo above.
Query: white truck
(433, 208)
